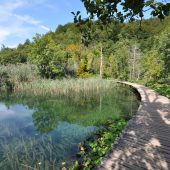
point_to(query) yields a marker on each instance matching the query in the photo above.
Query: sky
(22, 19)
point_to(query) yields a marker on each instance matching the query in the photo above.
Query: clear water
(38, 132)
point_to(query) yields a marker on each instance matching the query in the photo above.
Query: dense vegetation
(123, 50)
(46, 130)
(163, 89)
(97, 145)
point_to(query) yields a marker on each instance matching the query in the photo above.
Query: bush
(163, 89)
(5, 83)
(12, 75)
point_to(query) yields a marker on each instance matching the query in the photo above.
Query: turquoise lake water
(44, 132)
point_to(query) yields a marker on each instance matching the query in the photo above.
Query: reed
(25, 78)
(20, 72)
(31, 153)
(64, 86)
(11, 76)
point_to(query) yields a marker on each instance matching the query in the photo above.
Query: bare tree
(101, 62)
(134, 59)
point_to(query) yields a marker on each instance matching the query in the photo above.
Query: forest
(128, 51)
(66, 80)
(125, 51)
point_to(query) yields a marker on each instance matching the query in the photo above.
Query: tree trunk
(100, 106)
(101, 62)
(134, 61)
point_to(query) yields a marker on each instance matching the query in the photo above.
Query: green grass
(25, 78)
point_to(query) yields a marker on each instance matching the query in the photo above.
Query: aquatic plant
(97, 145)
(64, 86)
(24, 78)
(11, 76)
(83, 104)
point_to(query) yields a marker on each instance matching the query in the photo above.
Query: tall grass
(59, 87)
(25, 78)
(20, 72)
(11, 76)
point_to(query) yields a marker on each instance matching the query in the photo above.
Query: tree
(152, 65)
(48, 56)
(12, 56)
(120, 59)
(162, 44)
(74, 50)
(106, 10)
(134, 61)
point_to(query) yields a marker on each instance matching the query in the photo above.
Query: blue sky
(22, 19)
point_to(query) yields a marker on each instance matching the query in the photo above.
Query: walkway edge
(130, 150)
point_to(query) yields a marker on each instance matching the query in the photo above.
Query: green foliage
(121, 66)
(162, 44)
(12, 56)
(15, 55)
(5, 83)
(152, 65)
(155, 62)
(49, 57)
(129, 53)
(83, 71)
(97, 145)
(163, 89)
(123, 10)
(12, 76)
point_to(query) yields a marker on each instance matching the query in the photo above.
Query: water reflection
(41, 132)
(14, 111)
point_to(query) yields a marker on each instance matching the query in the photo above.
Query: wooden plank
(146, 139)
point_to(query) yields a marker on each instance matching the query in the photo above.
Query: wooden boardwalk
(145, 143)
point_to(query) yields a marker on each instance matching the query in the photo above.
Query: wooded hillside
(120, 51)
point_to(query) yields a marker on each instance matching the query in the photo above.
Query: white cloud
(14, 24)
(3, 34)
(14, 111)
(13, 30)
(5, 112)
(45, 28)
(7, 8)
(27, 19)
(12, 5)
